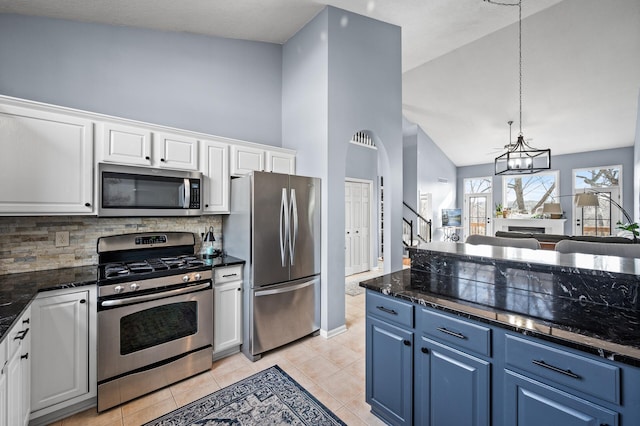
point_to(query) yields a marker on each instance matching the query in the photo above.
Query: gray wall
(565, 164)
(427, 170)
(213, 85)
(342, 74)
(636, 174)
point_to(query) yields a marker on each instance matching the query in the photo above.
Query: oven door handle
(135, 299)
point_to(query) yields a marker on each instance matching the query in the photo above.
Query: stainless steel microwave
(142, 191)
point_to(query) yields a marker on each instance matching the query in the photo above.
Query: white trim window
(526, 195)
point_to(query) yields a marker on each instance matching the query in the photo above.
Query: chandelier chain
(520, 56)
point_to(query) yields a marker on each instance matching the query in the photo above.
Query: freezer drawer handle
(229, 275)
(283, 289)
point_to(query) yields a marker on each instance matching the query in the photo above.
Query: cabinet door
(452, 388)
(246, 159)
(60, 349)
(227, 316)
(18, 372)
(389, 371)
(280, 162)
(214, 165)
(46, 162)
(531, 403)
(126, 144)
(176, 151)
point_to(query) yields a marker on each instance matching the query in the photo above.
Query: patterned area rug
(269, 397)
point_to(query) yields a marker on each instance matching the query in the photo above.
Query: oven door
(137, 335)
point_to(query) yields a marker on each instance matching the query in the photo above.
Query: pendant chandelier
(520, 157)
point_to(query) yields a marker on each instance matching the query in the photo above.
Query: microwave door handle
(187, 194)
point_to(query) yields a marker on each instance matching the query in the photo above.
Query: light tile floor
(333, 370)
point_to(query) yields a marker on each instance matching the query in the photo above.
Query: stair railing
(424, 226)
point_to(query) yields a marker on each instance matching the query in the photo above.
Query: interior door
(270, 210)
(357, 227)
(304, 226)
(477, 213)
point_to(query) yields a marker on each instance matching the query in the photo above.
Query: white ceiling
(460, 60)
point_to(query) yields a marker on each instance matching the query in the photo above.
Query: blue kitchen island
(480, 335)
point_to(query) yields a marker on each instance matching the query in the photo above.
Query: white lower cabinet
(63, 361)
(3, 383)
(18, 371)
(227, 309)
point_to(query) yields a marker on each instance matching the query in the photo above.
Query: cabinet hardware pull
(556, 369)
(452, 333)
(83, 301)
(147, 158)
(239, 289)
(424, 350)
(206, 205)
(229, 275)
(21, 334)
(25, 321)
(25, 356)
(162, 159)
(406, 342)
(87, 204)
(387, 310)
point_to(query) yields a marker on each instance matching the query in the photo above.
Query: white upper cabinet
(126, 144)
(176, 151)
(281, 162)
(245, 159)
(46, 162)
(141, 146)
(214, 165)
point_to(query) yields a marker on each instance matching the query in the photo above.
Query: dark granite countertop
(583, 307)
(218, 262)
(17, 291)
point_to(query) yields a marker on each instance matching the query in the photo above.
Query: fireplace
(527, 229)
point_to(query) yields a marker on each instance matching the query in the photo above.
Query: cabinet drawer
(227, 274)
(458, 332)
(390, 309)
(575, 371)
(18, 333)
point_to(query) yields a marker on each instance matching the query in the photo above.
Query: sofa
(555, 238)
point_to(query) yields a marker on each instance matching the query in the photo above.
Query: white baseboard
(333, 333)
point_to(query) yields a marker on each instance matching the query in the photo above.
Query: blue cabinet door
(389, 370)
(531, 403)
(452, 387)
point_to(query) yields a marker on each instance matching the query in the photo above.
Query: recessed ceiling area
(581, 67)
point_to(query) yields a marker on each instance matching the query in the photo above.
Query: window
(527, 194)
(600, 220)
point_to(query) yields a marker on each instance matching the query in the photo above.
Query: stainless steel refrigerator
(274, 225)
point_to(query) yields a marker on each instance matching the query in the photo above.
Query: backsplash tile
(28, 243)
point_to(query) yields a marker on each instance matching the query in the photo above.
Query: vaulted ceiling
(581, 60)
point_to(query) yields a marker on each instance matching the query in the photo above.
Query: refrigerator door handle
(284, 227)
(293, 215)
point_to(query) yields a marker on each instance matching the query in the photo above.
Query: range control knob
(185, 279)
(118, 289)
(134, 286)
(197, 276)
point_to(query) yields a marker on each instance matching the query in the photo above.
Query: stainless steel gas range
(155, 314)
